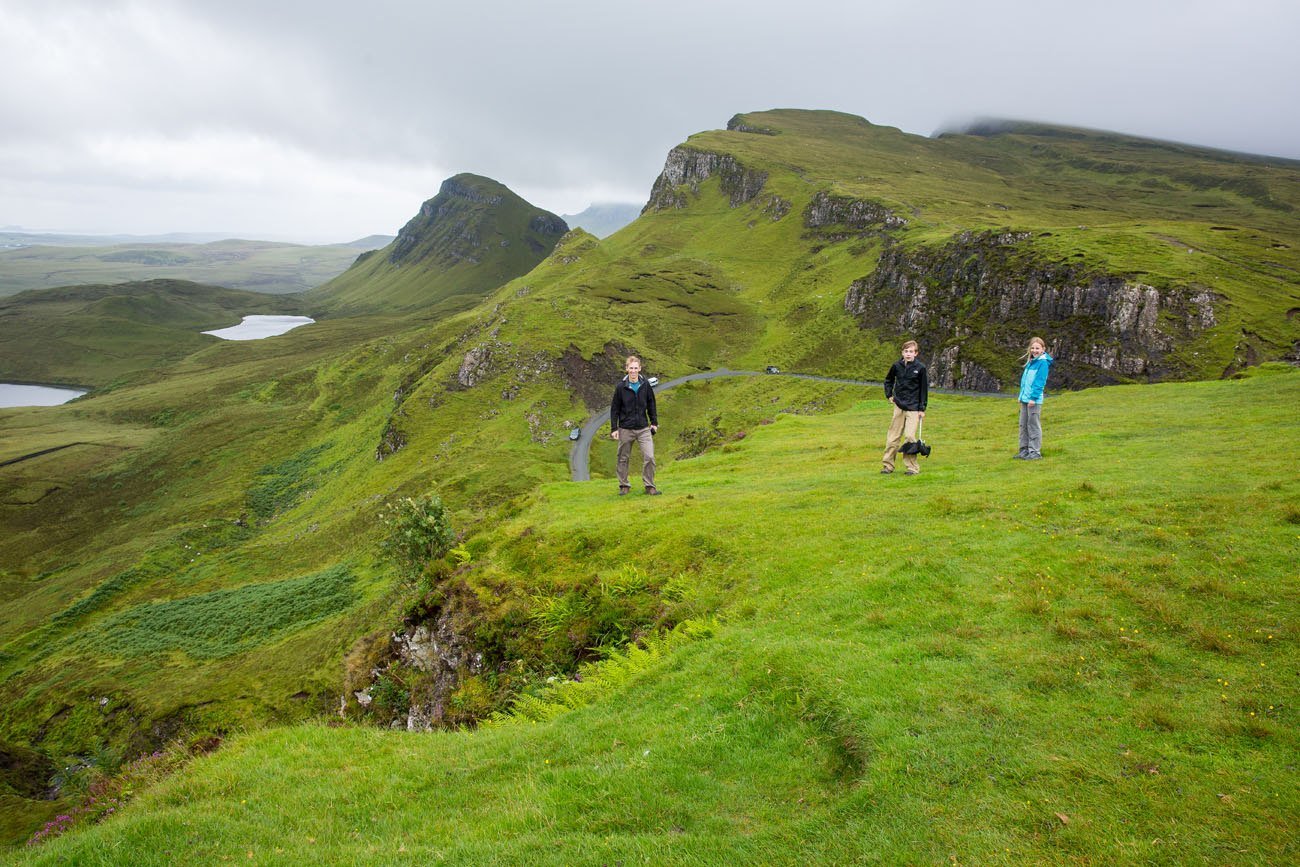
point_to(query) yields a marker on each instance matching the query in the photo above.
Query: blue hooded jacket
(1034, 379)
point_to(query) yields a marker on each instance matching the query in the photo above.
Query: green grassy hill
(94, 335)
(256, 266)
(1088, 659)
(469, 239)
(201, 555)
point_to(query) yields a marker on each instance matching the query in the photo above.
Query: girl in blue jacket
(1032, 382)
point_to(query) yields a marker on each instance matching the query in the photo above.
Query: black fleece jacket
(908, 385)
(630, 409)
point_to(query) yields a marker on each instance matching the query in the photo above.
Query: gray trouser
(626, 437)
(1031, 428)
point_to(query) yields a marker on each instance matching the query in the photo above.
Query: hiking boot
(886, 471)
(1033, 456)
(912, 473)
(652, 492)
(623, 492)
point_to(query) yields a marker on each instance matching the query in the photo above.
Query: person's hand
(613, 434)
(654, 428)
(1031, 403)
(921, 414)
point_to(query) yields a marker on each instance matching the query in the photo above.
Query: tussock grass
(224, 622)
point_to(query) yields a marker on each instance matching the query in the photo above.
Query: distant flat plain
(259, 266)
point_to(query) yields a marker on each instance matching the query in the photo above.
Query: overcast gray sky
(328, 120)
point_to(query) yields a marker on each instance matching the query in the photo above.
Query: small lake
(257, 327)
(35, 395)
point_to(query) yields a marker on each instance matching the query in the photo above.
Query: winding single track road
(580, 454)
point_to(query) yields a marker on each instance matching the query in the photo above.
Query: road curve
(580, 454)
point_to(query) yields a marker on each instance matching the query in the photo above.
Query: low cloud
(340, 119)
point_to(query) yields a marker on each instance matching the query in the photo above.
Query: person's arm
(613, 415)
(925, 389)
(889, 382)
(651, 409)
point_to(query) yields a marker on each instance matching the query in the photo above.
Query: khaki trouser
(626, 437)
(902, 427)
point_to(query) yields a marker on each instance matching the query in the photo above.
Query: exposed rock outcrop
(437, 648)
(826, 211)
(973, 304)
(738, 124)
(475, 367)
(391, 441)
(686, 168)
(412, 678)
(548, 224)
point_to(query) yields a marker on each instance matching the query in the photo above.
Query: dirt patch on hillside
(593, 378)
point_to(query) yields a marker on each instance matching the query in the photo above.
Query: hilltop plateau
(202, 553)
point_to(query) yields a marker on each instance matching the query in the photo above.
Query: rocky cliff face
(447, 211)
(974, 303)
(686, 168)
(825, 213)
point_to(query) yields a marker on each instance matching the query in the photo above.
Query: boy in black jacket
(634, 418)
(908, 388)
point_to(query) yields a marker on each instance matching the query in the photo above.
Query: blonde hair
(912, 344)
(630, 359)
(1040, 341)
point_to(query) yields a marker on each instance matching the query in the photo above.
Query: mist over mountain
(605, 218)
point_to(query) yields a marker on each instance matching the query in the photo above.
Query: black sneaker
(886, 471)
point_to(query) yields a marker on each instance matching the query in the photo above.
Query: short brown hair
(632, 358)
(912, 344)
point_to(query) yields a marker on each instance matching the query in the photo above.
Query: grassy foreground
(1091, 659)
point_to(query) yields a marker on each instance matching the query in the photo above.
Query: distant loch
(258, 327)
(13, 394)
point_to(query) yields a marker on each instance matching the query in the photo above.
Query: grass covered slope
(1091, 658)
(255, 266)
(92, 335)
(466, 241)
(1070, 209)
